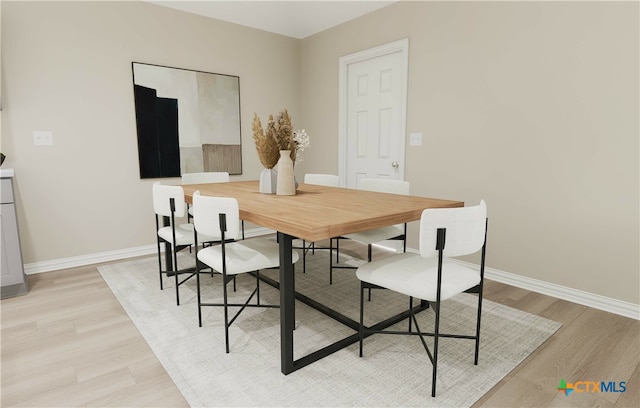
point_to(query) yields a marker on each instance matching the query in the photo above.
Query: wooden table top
(318, 212)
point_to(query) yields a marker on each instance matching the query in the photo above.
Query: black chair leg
(436, 332)
(475, 360)
(369, 259)
(330, 261)
(175, 268)
(159, 264)
(258, 286)
(226, 312)
(304, 256)
(410, 308)
(198, 294)
(361, 327)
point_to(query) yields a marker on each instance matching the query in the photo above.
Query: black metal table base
(288, 296)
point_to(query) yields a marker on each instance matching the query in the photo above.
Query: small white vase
(268, 181)
(286, 181)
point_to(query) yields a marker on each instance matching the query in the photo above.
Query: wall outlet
(415, 139)
(42, 137)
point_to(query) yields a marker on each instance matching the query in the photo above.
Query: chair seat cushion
(244, 256)
(413, 275)
(184, 235)
(378, 234)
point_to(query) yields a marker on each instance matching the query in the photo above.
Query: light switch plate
(42, 137)
(415, 139)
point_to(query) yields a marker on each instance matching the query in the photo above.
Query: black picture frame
(187, 121)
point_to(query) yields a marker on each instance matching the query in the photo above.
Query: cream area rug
(395, 370)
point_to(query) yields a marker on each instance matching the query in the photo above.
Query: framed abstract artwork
(187, 121)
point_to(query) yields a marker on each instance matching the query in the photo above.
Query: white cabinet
(13, 281)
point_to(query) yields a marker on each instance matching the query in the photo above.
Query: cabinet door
(11, 272)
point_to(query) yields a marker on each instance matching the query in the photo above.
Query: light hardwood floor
(69, 343)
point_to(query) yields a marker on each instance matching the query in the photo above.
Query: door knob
(395, 164)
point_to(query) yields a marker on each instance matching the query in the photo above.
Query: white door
(373, 113)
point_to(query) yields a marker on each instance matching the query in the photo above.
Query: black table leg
(287, 303)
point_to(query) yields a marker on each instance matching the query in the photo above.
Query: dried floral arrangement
(278, 135)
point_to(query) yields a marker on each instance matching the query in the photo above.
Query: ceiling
(298, 19)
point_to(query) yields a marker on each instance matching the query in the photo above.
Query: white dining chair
(169, 205)
(370, 237)
(203, 178)
(329, 180)
(219, 217)
(432, 275)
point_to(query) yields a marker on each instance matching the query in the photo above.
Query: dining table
(313, 214)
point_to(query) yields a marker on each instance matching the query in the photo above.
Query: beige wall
(532, 106)
(66, 67)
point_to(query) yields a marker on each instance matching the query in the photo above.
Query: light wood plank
(70, 343)
(108, 363)
(591, 346)
(319, 212)
(632, 396)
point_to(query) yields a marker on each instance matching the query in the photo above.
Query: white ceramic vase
(286, 184)
(268, 181)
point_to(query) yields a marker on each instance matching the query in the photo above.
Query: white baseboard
(593, 300)
(83, 260)
(581, 297)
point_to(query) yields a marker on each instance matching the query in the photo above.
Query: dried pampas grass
(278, 136)
(266, 146)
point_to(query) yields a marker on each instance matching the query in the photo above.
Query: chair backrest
(161, 196)
(205, 177)
(206, 215)
(384, 186)
(466, 230)
(328, 180)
